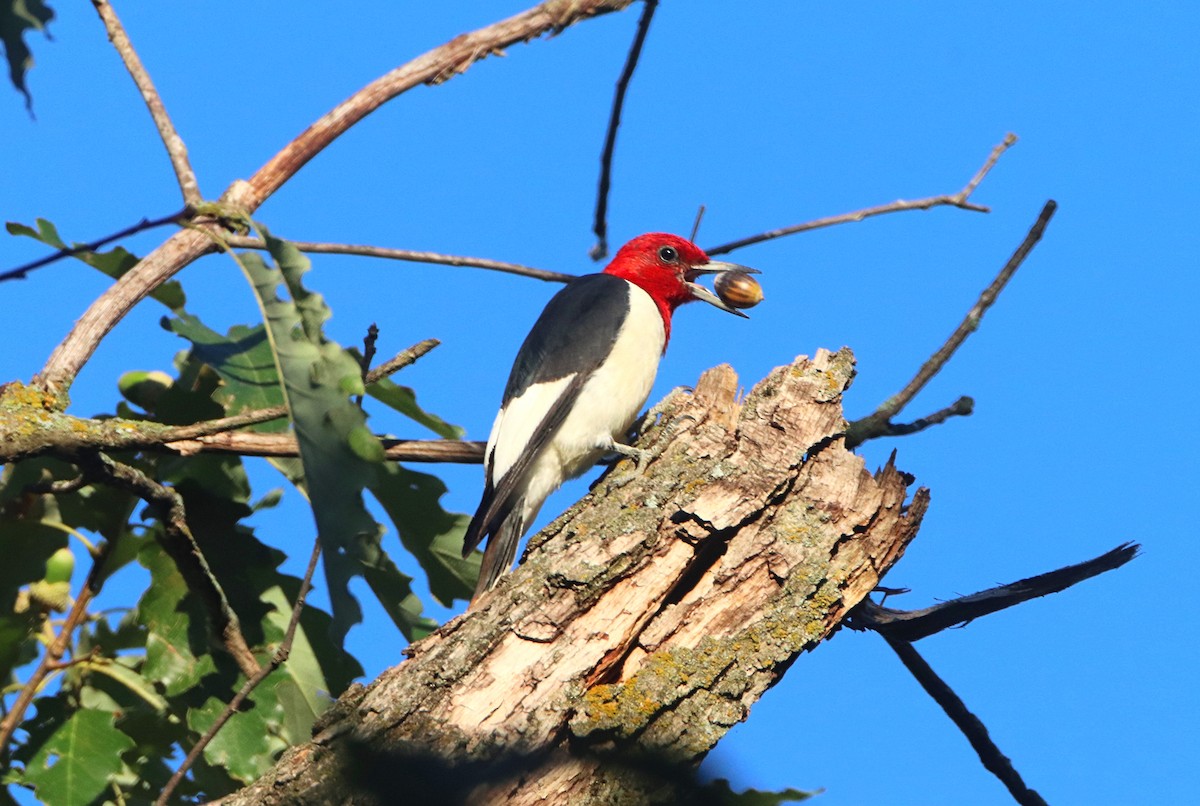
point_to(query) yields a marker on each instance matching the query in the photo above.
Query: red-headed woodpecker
(578, 382)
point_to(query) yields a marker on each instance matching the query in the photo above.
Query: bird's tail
(500, 552)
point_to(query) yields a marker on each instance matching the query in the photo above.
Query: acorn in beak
(734, 284)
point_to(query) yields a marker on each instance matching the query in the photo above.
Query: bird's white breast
(605, 409)
(615, 394)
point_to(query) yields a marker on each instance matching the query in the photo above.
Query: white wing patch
(513, 430)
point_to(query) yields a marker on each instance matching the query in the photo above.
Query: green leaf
(404, 400)
(244, 746)
(393, 589)
(118, 670)
(243, 360)
(17, 17)
(301, 680)
(30, 534)
(94, 508)
(113, 263)
(18, 638)
(74, 766)
(318, 376)
(176, 626)
(431, 534)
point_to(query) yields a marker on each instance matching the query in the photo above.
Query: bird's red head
(665, 266)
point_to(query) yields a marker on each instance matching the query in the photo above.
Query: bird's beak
(714, 267)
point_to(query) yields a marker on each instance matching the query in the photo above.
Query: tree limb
(19, 272)
(314, 247)
(913, 625)
(959, 199)
(435, 66)
(183, 433)
(176, 150)
(35, 429)
(647, 619)
(256, 444)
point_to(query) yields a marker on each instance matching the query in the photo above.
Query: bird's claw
(639, 455)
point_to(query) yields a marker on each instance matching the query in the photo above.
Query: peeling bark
(643, 623)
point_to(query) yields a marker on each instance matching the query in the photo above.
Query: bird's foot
(638, 455)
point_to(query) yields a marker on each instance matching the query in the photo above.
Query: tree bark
(642, 624)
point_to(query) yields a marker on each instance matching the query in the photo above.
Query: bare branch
(399, 450)
(368, 355)
(20, 272)
(877, 424)
(913, 625)
(600, 224)
(696, 224)
(277, 660)
(962, 407)
(313, 247)
(57, 486)
(176, 149)
(960, 199)
(435, 66)
(1009, 140)
(901, 627)
(403, 359)
(993, 760)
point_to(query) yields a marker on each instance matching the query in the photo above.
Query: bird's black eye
(668, 254)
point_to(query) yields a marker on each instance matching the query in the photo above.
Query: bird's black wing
(573, 336)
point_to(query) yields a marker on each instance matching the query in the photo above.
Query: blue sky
(769, 113)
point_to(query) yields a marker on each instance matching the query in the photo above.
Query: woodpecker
(578, 382)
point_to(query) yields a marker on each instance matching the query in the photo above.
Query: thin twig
(913, 625)
(993, 760)
(57, 486)
(439, 64)
(277, 660)
(600, 224)
(181, 545)
(412, 256)
(878, 423)
(56, 649)
(403, 359)
(400, 450)
(962, 407)
(1008, 142)
(176, 149)
(146, 223)
(960, 199)
(696, 224)
(368, 355)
